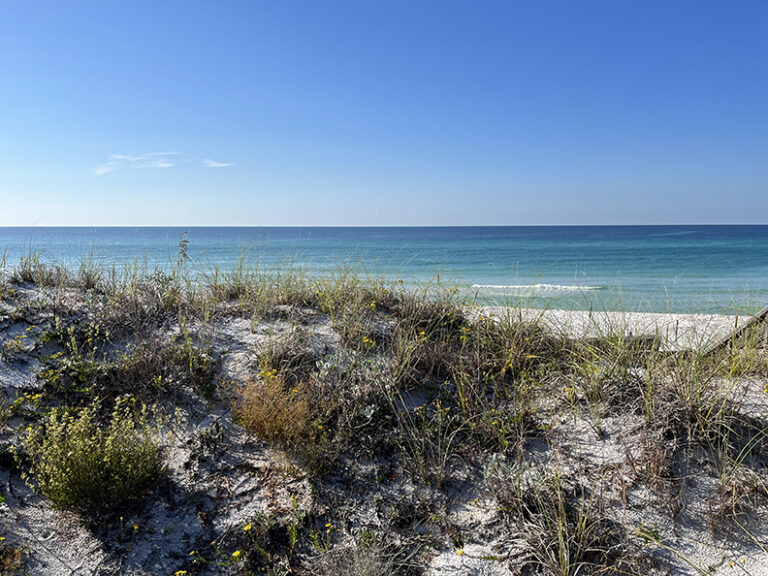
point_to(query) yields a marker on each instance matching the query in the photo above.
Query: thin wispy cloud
(151, 160)
(213, 164)
(137, 161)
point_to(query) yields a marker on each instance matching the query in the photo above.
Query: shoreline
(634, 268)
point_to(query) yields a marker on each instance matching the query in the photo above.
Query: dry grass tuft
(277, 412)
(292, 416)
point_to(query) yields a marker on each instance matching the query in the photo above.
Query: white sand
(677, 331)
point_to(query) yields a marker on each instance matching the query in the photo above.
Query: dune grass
(441, 387)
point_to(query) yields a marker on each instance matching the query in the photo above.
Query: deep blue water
(659, 268)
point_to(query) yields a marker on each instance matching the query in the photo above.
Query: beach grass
(410, 403)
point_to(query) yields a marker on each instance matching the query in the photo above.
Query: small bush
(278, 413)
(292, 416)
(82, 466)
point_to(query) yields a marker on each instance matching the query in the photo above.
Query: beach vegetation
(369, 556)
(292, 415)
(561, 525)
(406, 403)
(83, 461)
(11, 558)
(32, 269)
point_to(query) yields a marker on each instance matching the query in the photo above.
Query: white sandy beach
(676, 331)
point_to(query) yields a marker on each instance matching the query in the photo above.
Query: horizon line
(190, 226)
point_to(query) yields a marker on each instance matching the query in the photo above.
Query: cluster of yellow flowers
(16, 343)
(368, 343)
(28, 398)
(268, 374)
(49, 374)
(421, 411)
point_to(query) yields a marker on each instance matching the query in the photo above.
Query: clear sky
(389, 112)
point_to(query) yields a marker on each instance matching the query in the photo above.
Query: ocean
(639, 268)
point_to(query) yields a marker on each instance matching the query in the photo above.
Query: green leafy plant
(81, 465)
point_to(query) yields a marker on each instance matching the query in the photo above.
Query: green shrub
(94, 469)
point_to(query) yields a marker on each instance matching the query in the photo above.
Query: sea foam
(517, 288)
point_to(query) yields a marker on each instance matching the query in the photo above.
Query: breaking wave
(522, 288)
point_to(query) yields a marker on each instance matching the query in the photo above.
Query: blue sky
(391, 112)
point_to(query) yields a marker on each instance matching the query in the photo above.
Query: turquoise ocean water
(656, 268)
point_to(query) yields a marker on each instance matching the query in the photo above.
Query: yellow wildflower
(247, 527)
(236, 554)
(460, 551)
